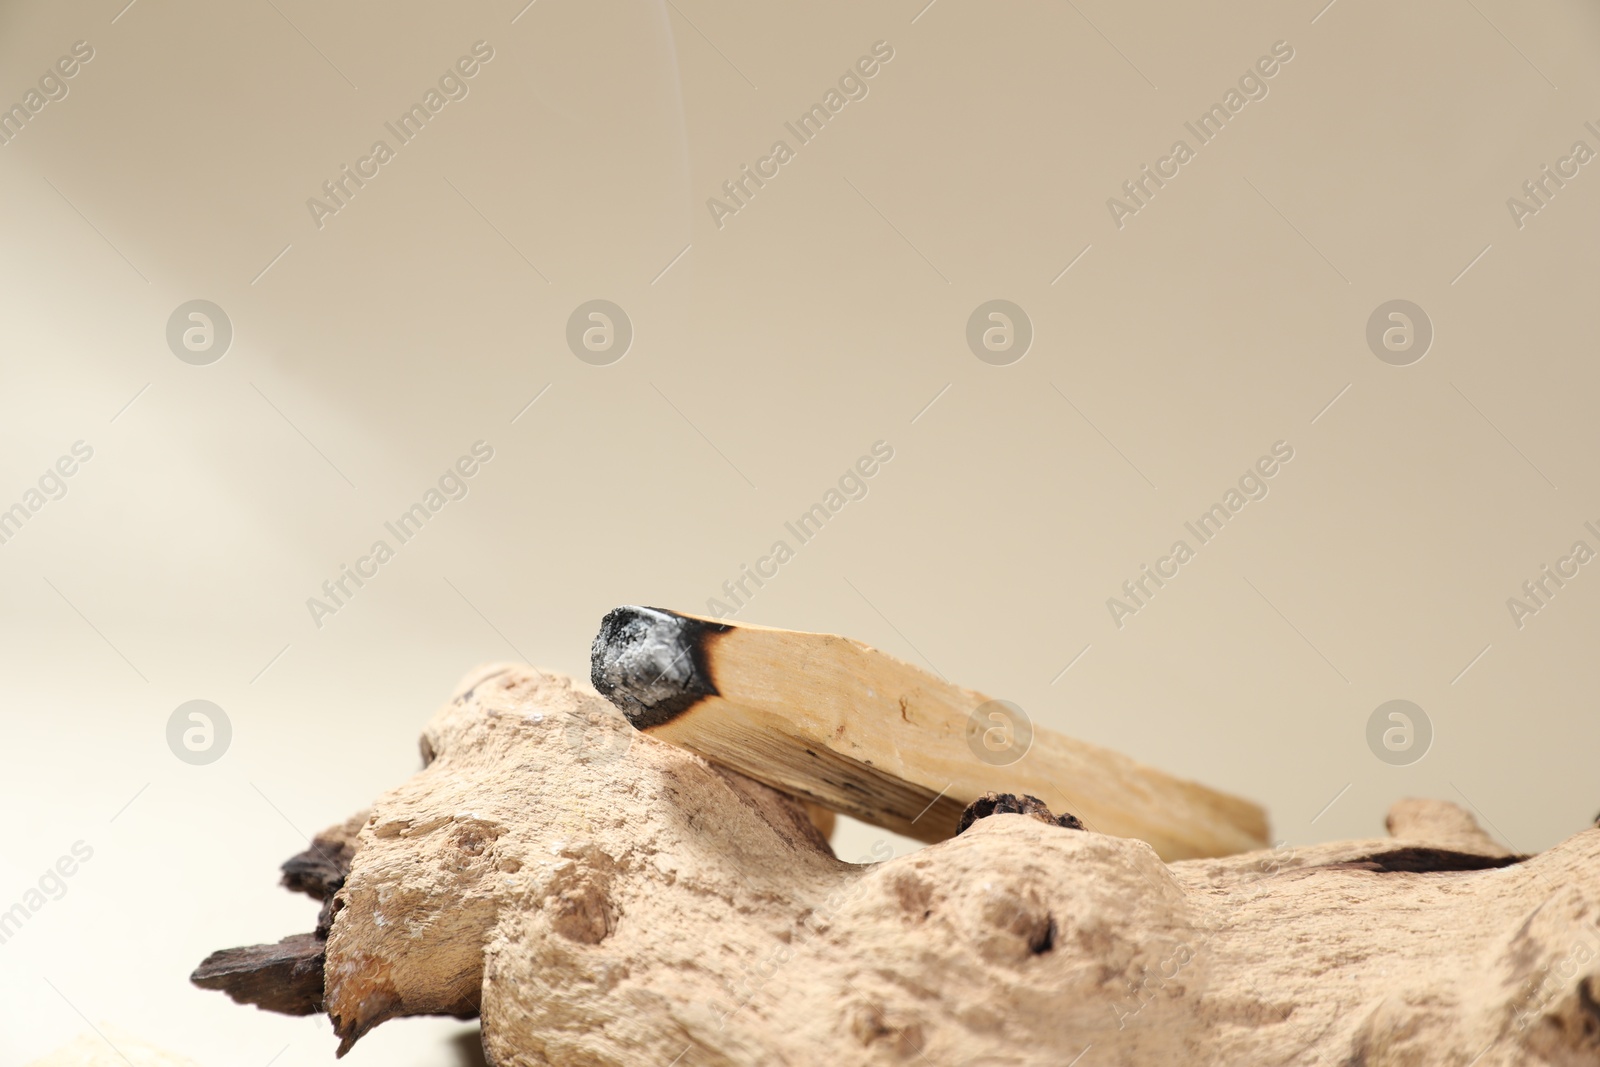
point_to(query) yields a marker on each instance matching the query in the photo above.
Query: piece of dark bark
(1417, 860)
(320, 870)
(1013, 804)
(285, 978)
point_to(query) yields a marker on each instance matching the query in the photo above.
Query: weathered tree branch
(606, 898)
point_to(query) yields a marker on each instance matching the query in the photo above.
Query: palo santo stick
(841, 724)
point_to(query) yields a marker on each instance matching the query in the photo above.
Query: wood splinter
(844, 725)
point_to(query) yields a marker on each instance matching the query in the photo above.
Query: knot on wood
(578, 897)
(872, 1025)
(1017, 915)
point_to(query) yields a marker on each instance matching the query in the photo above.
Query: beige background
(823, 317)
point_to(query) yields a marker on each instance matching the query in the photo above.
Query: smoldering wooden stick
(837, 722)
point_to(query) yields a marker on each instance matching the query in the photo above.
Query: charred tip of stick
(651, 663)
(1012, 804)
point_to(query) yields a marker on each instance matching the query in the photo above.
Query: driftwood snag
(854, 729)
(606, 898)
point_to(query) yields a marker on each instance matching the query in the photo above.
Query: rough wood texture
(855, 729)
(604, 902)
